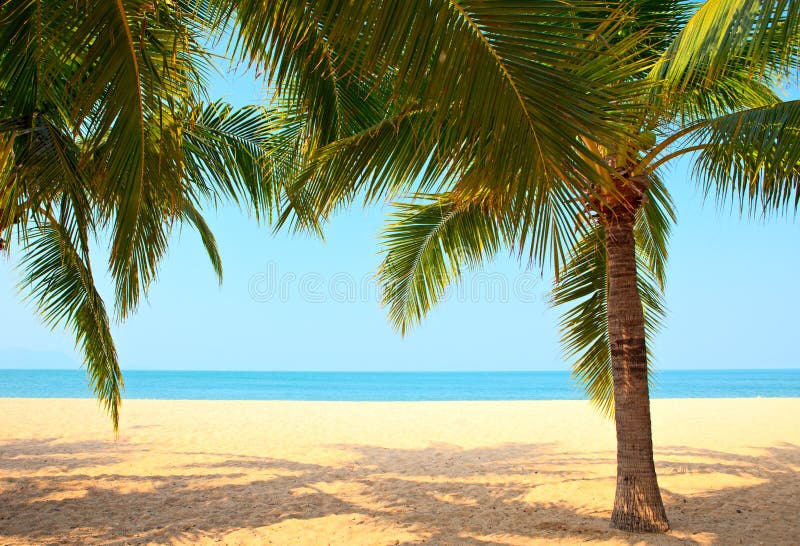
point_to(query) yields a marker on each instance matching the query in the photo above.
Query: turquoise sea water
(410, 386)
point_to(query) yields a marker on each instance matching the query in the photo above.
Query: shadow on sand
(471, 497)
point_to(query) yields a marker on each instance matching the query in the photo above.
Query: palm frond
(224, 152)
(731, 91)
(193, 216)
(426, 245)
(763, 34)
(652, 229)
(542, 72)
(58, 279)
(751, 157)
(382, 161)
(117, 73)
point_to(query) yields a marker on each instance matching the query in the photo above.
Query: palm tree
(106, 132)
(542, 128)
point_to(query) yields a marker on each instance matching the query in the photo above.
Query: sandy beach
(461, 473)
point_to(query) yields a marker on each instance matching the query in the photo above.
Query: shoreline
(316, 401)
(534, 472)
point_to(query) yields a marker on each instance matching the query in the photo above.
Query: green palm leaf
(427, 245)
(193, 217)
(58, 279)
(764, 34)
(752, 156)
(224, 152)
(539, 71)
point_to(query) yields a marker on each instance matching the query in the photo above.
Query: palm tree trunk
(637, 505)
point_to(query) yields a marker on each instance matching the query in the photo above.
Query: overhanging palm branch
(224, 155)
(426, 246)
(114, 74)
(765, 34)
(101, 130)
(752, 157)
(424, 45)
(58, 278)
(526, 66)
(413, 151)
(193, 217)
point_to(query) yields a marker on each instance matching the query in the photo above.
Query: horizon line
(400, 371)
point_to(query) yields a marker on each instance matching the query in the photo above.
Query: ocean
(390, 386)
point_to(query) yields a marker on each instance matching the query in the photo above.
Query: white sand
(465, 473)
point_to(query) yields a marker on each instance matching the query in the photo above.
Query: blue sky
(297, 303)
